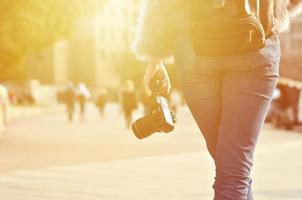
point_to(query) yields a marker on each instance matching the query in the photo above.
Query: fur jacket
(160, 20)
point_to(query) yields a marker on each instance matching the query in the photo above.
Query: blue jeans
(229, 98)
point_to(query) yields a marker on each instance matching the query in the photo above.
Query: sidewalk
(19, 112)
(173, 177)
(99, 160)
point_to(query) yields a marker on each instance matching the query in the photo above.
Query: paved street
(47, 158)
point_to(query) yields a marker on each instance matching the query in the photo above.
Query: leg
(203, 96)
(246, 99)
(200, 79)
(101, 108)
(248, 85)
(293, 95)
(69, 112)
(128, 118)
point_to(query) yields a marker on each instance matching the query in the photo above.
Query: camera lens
(144, 127)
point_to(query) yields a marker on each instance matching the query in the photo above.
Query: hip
(263, 62)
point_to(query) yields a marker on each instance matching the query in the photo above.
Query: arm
(158, 24)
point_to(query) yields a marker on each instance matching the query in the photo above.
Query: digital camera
(159, 119)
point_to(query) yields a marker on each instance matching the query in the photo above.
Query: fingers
(146, 84)
(150, 72)
(165, 87)
(160, 71)
(168, 88)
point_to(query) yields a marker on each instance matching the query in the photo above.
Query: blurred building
(60, 62)
(81, 54)
(115, 33)
(94, 49)
(291, 41)
(41, 66)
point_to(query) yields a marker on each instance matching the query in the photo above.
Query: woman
(228, 96)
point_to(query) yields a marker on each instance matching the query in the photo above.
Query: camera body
(160, 119)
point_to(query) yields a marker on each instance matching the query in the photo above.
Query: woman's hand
(158, 69)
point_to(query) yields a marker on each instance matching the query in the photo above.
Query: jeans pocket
(264, 62)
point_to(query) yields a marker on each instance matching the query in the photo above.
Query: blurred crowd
(12, 94)
(286, 108)
(285, 111)
(16, 95)
(127, 96)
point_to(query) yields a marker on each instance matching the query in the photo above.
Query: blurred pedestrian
(278, 113)
(292, 96)
(4, 107)
(128, 101)
(70, 99)
(285, 108)
(83, 95)
(101, 101)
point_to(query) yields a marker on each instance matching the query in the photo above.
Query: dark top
(129, 100)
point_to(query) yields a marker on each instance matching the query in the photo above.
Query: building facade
(291, 42)
(292, 39)
(94, 49)
(114, 33)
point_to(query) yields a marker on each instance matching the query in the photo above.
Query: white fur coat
(160, 20)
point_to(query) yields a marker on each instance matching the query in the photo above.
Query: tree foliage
(27, 26)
